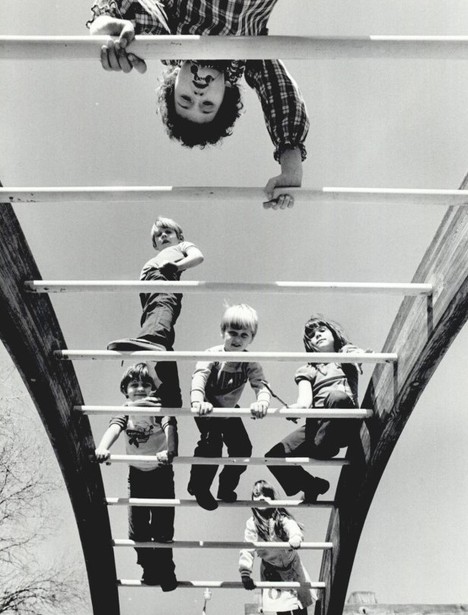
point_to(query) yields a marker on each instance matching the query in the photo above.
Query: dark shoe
(227, 496)
(204, 498)
(133, 343)
(150, 577)
(315, 487)
(169, 583)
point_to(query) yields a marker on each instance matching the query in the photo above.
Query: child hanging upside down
(320, 385)
(276, 525)
(199, 101)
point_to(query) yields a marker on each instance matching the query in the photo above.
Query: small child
(276, 525)
(321, 385)
(161, 310)
(199, 101)
(147, 435)
(221, 383)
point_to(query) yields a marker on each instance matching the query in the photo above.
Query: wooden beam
(217, 544)
(281, 413)
(241, 357)
(187, 47)
(194, 287)
(406, 609)
(420, 337)
(229, 584)
(30, 332)
(232, 461)
(197, 195)
(153, 502)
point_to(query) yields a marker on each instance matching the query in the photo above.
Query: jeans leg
(139, 516)
(332, 434)
(210, 444)
(238, 444)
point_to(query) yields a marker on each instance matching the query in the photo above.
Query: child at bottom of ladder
(276, 525)
(320, 385)
(147, 435)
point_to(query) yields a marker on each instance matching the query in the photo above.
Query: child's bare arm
(304, 395)
(290, 176)
(110, 436)
(194, 257)
(114, 56)
(197, 394)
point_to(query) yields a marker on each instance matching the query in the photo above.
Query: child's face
(198, 92)
(322, 339)
(236, 340)
(136, 389)
(165, 237)
(265, 512)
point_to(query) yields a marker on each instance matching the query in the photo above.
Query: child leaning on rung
(320, 385)
(220, 384)
(200, 101)
(161, 309)
(147, 435)
(275, 524)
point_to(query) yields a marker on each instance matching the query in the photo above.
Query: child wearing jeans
(199, 101)
(161, 310)
(276, 525)
(320, 385)
(220, 384)
(147, 435)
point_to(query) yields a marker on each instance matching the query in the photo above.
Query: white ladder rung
(227, 194)
(161, 503)
(193, 287)
(207, 544)
(187, 47)
(229, 584)
(231, 461)
(241, 357)
(281, 413)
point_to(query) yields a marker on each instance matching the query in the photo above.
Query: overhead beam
(30, 331)
(198, 195)
(220, 544)
(156, 502)
(187, 47)
(421, 338)
(229, 584)
(231, 461)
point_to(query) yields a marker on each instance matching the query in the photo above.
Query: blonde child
(161, 310)
(221, 383)
(276, 525)
(147, 435)
(200, 101)
(323, 385)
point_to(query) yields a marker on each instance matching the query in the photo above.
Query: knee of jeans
(337, 399)
(277, 451)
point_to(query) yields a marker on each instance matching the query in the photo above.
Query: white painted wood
(244, 461)
(207, 544)
(227, 584)
(156, 502)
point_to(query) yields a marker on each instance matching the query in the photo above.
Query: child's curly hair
(317, 320)
(190, 133)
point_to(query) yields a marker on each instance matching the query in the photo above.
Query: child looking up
(221, 383)
(147, 435)
(276, 525)
(323, 385)
(161, 310)
(199, 101)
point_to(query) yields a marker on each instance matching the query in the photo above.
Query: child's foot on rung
(169, 582)
(133, 343)
(227, 496)
(150, 576)
(315, 487)
(204, 498)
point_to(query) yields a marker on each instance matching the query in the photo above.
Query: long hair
(263, 488)
(317, 320)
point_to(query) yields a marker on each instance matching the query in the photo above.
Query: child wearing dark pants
(324, 385)
(221, 383)
(155, 436)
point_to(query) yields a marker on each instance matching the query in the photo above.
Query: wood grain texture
(421, 334)
(405, 609)
(30, 331)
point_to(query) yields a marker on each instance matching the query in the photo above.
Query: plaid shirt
(282, 103)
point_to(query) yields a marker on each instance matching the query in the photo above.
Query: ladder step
(186, 47)
(156, 502)
(230, 461)
(199, 194)
(199, 287)
(229, 584)
(241, 357)
(207, 544)
(281, 413)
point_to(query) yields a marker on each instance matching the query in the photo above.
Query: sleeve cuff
(281, 147)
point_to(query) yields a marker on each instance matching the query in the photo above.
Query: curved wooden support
(421, 334)
(30, 331)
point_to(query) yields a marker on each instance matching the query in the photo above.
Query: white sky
(378, 123)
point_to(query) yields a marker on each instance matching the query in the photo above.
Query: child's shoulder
(306, 372)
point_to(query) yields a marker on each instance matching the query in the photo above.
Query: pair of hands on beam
(116, 56)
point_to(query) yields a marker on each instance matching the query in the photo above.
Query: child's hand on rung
(164, 457)
(102, 455)
(259, 409)
(295, 542)
(114, 55)
(202, 407)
